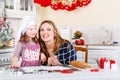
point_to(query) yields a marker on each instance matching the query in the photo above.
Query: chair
(82, 49)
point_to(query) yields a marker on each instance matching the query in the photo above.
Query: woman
(57, 50)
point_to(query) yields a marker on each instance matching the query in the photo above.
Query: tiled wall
(97, 34)
(92, 34)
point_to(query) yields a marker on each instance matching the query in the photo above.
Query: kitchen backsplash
(95, 34)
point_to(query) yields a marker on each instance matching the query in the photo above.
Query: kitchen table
(81, 74)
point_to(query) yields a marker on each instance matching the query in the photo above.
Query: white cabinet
(96, 52)
(6, 55)
(19, 8)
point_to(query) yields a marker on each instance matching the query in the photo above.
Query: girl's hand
(14, 62)
(14, 65)
(53, 61)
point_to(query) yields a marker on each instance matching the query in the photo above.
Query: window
(1, 4)
(9, 4)
(26, 5)
(13, 8)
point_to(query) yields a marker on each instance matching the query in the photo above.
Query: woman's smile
(45, 36)
(47, 32)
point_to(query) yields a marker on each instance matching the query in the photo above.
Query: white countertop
(6, 49)
(101, 47)
(84, 74)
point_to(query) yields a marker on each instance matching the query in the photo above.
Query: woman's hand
(43, 58)
(53, 61)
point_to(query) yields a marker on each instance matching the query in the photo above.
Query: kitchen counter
(101, 47)
(6, 49)
(82, 74)
(103, 44)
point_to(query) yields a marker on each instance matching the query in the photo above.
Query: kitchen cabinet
(96, 52)
(1, 8)
(18, 8)
(6, 54)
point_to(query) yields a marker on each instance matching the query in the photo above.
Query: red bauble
(79, 3)
(60, 5)
(88, 1)
(82, 41)
(67, 7)
(73, 6)
(43, 3)
(54, 6)
(5, 19)
(85, 2)
(36, 1)
(79, 41)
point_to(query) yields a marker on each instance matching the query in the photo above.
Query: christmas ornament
(68, 5)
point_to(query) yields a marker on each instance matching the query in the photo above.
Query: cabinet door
(1, 4)
(9, 4)
(97, 54)
(26, 5)
(19, 8)
(1, 9)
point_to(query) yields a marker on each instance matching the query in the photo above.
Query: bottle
(102, 60)
(112, 62)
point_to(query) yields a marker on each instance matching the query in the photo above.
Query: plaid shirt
(66, 53)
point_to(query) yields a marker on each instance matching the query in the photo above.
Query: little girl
(27, 46)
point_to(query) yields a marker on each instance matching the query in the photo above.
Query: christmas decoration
(77, 35)
(6, 37)
(68, 5)
(43, 3)
(78, 38)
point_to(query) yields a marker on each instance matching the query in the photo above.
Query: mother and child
(39, 47)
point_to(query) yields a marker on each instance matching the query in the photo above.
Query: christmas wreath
(68, 5)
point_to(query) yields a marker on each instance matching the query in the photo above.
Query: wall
(98, 34)
(15, 17)
(90, 19)
(97, 12)
(95, 16)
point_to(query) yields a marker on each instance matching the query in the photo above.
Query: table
(84, 74)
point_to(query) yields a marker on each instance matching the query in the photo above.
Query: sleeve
(18, 50)
(67, 53)
(72, 53)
